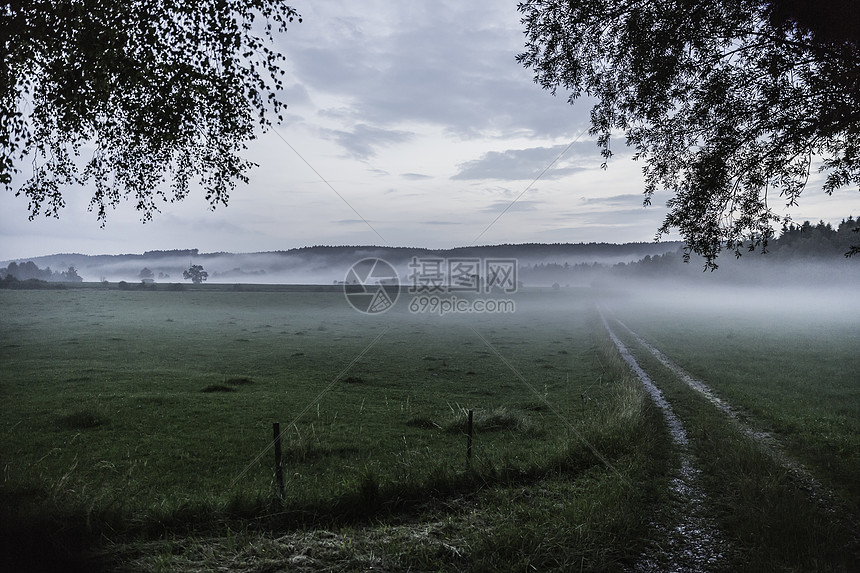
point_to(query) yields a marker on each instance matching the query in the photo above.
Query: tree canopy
(195, 274)
(730, 103)
(139, 99)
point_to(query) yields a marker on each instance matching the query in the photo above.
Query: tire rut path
(695, 542)
(815, 490)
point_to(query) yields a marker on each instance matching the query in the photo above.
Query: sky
(408, 124)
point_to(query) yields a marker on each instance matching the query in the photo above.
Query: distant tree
(29, 270)
(9, 282)
(728, 102)
(71, 276)
(145, 273)
(161, 90)
(195, 274)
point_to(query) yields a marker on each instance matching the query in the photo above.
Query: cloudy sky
(409, 124)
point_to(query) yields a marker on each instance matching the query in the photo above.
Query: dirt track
(695, 542)
(764, 440)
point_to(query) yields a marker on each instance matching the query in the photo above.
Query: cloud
(296, 94)
(350, 222)
(415, 176)
(626, 199)
(452, 66)
(364, 139)
(519, 164)
(510, 206)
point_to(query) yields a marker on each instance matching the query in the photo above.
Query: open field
(146, 411)
(136, 425)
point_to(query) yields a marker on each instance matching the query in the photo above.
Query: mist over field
(326, 265)
(775, 305)
(814, 258)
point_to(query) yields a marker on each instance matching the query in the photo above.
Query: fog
(823, 286)
(328, 265)
(777, 303)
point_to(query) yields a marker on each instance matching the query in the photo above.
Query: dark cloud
(520, 164)
(452, 67)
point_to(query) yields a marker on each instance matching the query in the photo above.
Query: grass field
(137, 425)
(789, 361)
(787, 364)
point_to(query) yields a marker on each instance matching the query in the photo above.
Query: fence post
(279, 469)
(469, 441)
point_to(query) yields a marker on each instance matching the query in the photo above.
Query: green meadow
(788, 362)
(137, 429)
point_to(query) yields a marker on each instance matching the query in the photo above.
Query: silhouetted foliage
(195, 274)
(813, 253)
(30, 271)
(10, 282)
(71, 276)
(728, 102)
(161, 90)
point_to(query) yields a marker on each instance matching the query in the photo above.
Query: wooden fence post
(279, 469)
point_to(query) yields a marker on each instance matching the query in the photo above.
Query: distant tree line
(173, 253)
(28, 274)
(820, 239)
(796, 247)
(806, 252)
